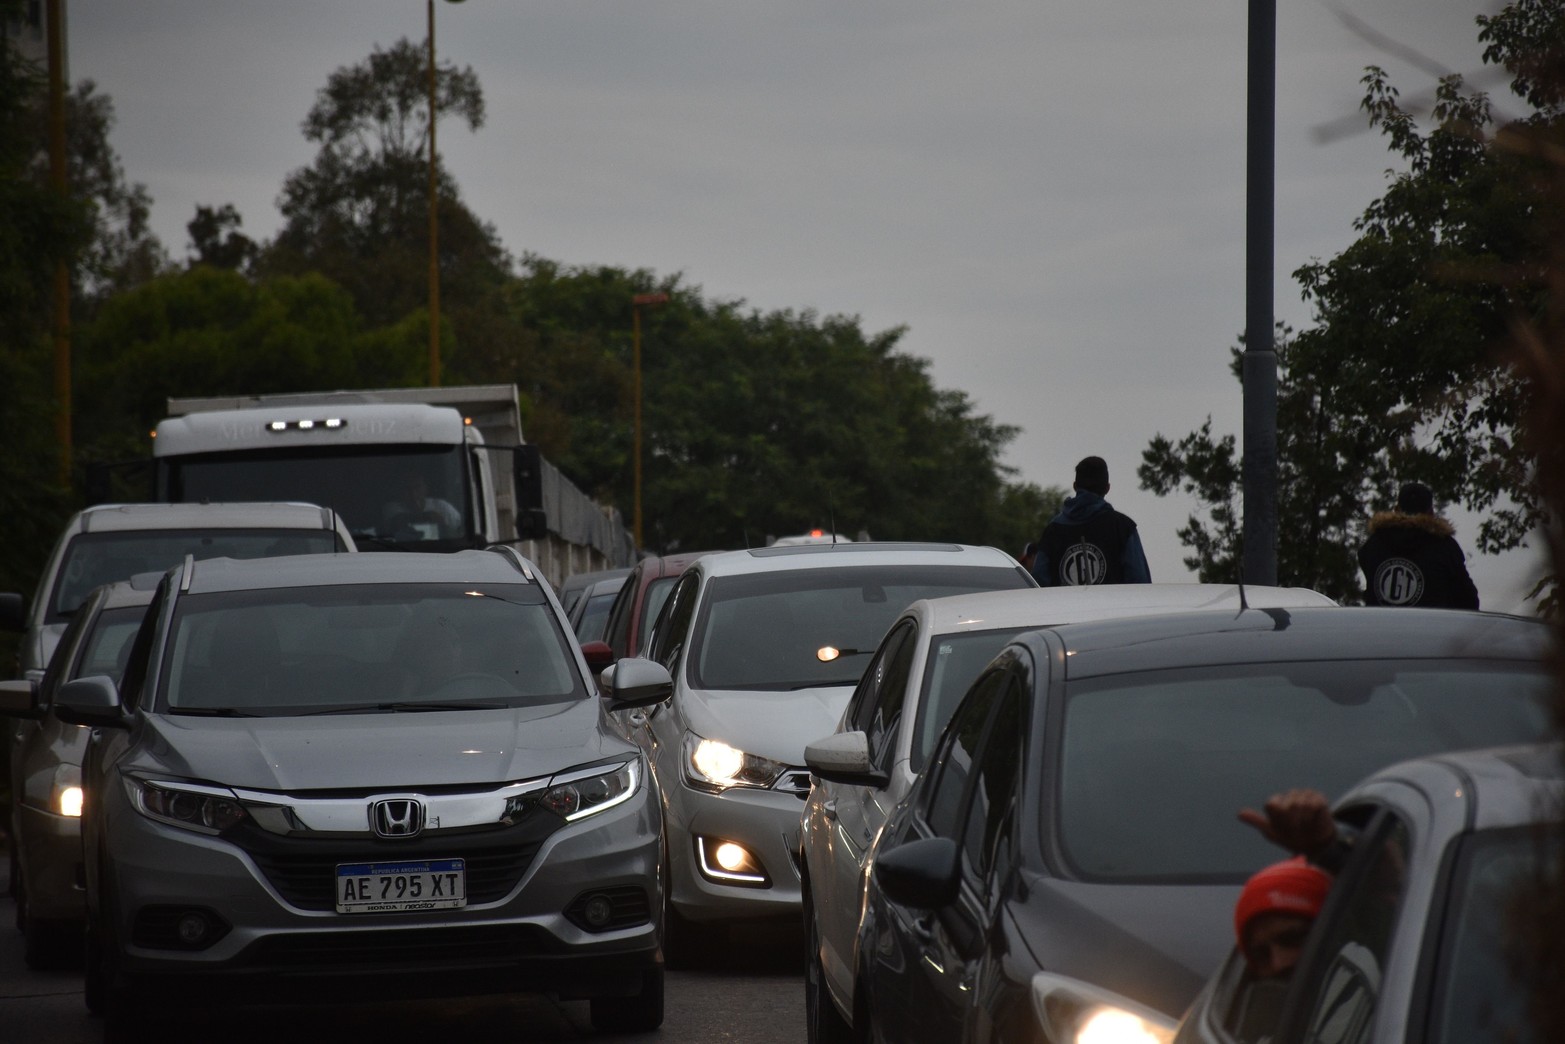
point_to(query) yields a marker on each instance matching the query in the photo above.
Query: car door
(854, 814)
(926, 973)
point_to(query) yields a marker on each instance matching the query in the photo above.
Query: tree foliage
(1403, 374)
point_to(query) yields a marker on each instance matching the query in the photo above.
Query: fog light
(192, 929)
(731, 857)
(598, 911)
(729, 862)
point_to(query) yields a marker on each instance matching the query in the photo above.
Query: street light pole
(54, 26)
(434, 220)
(637, 302)
(1259, 365)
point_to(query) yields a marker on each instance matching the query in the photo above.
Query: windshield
(1154, 766)
(108, 646)
(803, 628)
(594, 618)
(399, 496)
(1478, 992)
(366, 648)
(103, 558)
(954, 661)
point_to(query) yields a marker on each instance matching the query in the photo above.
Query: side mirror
(93, 700)
(635, 682)
(844, 758)
(532, 523)
(923, 874)
(11, 612)
(597, 654)
(19, 699)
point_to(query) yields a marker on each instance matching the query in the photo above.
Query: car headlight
(193, 806)
(714, 764)
(587, 792)
(1074, 1012)
(65, 796)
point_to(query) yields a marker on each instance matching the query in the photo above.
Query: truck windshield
(390, 496)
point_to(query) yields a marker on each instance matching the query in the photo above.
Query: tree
(359, 213)
(215, 236)
(1403, 375)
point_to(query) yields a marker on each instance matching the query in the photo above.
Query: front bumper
(50, 850)
(276, 940)
(764, 822)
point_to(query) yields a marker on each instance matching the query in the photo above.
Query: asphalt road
(750, 991)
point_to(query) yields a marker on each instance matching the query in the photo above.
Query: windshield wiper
(212, 712)
(408, 705)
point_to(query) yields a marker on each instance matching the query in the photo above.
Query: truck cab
(402, 475)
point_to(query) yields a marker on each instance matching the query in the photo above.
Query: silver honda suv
(367, 776)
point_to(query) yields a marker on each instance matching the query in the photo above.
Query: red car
(639, 600)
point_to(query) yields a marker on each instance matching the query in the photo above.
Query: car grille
(303, 869)
(795, 782)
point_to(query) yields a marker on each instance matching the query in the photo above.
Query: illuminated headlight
(206, 810)
(1074, 1012)
(576, 795)
(65, 796)
(712, 763)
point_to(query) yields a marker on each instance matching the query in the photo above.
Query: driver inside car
(430, 517)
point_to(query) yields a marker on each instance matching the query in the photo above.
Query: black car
(1073, 850)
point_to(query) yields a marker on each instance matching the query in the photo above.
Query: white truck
(425, 469)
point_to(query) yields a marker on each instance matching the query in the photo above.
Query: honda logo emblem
(397, 817)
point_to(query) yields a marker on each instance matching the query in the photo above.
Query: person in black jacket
(1412, 557)
(1089, 542)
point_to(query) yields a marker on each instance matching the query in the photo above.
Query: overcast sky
(1050, 197)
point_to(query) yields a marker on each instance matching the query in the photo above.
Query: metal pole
(1260, 353)
(55, 26)
(434, 221)
(635, 339)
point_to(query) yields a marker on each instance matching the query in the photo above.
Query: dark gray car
(366, 776)
(1074, 847)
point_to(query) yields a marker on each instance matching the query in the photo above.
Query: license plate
(431, 884)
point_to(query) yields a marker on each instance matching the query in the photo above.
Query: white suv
(765, 647)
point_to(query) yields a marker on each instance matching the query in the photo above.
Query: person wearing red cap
(1275, 912)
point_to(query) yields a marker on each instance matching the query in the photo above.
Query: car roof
(1298, 633)
(271, 514)
(834, 556)
(1045, 606)
(1503, 786)
(475, 567)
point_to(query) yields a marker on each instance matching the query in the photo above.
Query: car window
(954, 661)
(617, 632)
(1481, 988)
(366, 647)
(102, 558)
(1347, 960)
(995, 788)
(814, 627)
(592, 614)
(107, 649)
(882, 692)
(672, 623)
(944, 807)
(1150, 766)
(65, 653)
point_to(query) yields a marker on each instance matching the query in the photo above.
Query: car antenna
(1243, 604)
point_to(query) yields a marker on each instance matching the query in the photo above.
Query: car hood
(1154, 943)
(422, 749)
(774, 725)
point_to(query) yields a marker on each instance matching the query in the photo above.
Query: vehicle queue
(1000, 813)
